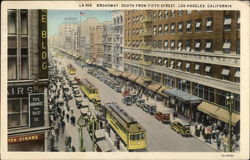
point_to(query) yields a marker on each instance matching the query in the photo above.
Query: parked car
(127, 100)
(140, 102)
(181, 127)
(163, 116)
(101, 143)
(149, 108)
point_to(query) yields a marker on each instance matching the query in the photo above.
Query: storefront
(183, 102)
(27, 142)
(153, 88)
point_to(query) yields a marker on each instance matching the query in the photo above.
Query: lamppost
(229, 104)
(81, 122)
(92, 128)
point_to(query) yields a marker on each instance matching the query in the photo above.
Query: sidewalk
(112, 140)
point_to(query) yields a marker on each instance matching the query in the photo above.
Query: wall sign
(36, 104)
(20, 91)
(25, 138)
(43, 48)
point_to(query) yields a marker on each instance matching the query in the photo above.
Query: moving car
(149, 108)
(181, 127)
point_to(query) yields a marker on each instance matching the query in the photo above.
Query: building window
(166, 44)
(172, 64)
(189, 23)
(209, 24)
(155, 15)
(160, 14)
(168, 80)
(159, 61)
(180, 28)
(155, 30)
(11, 21)
(179, 45)
(166, 14)
(24, 21)
(166, 62)
(227, 23)
(172, 44)
(197, 45)
(160, 29)
(156, 77)
(208, 70)
(159, 44)
(238, 46)
(225, 73)
(172, 13)
(198, 25)
(189, 11)
(24, 64)
(179, 65)
(188, 45)
(208, 47)
(238, 22)
(154, 44)
(197, 69)
(172, 28)
(18, 113)
(188, 67)
(166, 29)
(180, 12)
(12, 64)
(237, 75)
(226, 46)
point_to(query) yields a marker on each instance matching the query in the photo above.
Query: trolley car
(132, 134)
(90, 91)
(71, 69)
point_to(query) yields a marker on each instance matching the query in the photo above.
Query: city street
(160, 137)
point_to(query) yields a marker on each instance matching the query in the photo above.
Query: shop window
(179, 45)
(208, 47)
(172, 28)
(24, 21)
(188, 27)
(209, 24)
(198, 25)
(188, 45)
(166, 44)
(180, 27)
(172, 44)
(197, 45)
(166, 29)
(226, 46)
(238, 46)
(11, 21)
(225, 73)
(237, 76)
(227, 23)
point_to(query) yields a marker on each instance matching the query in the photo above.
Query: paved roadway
(160, 137)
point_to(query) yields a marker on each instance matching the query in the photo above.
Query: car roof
(182, 122)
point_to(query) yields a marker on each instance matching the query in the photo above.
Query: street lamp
(229, 104)
(92, 128)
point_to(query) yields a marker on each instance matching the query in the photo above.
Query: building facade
(107, 42)
(27, 80)
(195, 52)
(117, 40)
(96, 42)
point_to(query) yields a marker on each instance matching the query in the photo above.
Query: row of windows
(196, 45)
(12, 22)
(117, 20)
(189, 67)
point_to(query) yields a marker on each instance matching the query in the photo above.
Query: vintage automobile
(118, 88)
(127, 100)
(140, 102)
(181, 127)
(101, 143)
(83, 105)
(76, 91)
(149, 108)
(134, 97)
(163, 116)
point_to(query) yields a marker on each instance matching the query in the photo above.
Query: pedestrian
(57, 133)
(63, 126)
(224, 141)
(218, 144)
(67, 116)
(73, 148)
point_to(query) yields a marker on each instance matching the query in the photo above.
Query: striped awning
(154, 87)
(132, 77)
(115, 72)
(125, 74)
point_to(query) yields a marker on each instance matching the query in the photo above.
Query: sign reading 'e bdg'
(36, 103)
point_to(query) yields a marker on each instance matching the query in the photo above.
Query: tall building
(107, 42)
(117, 40)
(193, 55)
(27, 80)
(96, 42)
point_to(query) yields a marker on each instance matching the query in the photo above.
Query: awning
(183, 96)
(132, 77)
(154, 87)
(140, 81)
(125, 74)
(115, 72)
(225, 72)
(218, 112)
(237, 74)
(162, 90)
